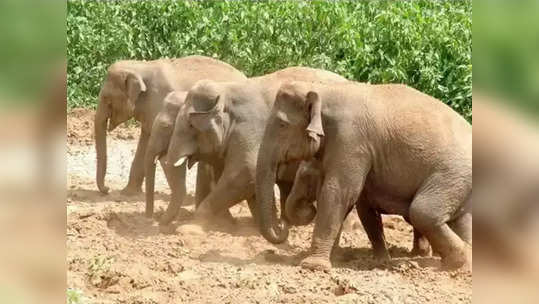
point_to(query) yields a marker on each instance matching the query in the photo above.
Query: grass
(74, 296)
(425, 44)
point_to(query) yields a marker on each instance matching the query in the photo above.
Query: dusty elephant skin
(158, 143)
(300, 208)
(156, 150)
(223, 125)
(137, 89)
(136, 263)
(403, 151)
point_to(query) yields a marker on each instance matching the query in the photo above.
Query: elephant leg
(462, 226)
(176, 181)
(336, 250)
(207, 176)
(371, 220)
(284, 190)
(430, 212)
(232, 187)
(333, 203)
(225, 216)
(205, 180)
(421, 245)
(136, 173)
(336, 247)
(253, 207)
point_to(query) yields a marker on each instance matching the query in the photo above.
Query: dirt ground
(117, 255)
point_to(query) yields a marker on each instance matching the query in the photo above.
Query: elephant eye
(283, 124)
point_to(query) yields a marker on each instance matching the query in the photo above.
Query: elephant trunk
(149, 177)
(100, 127)
(299, 212)
(274, 230)
(176, 181)
(181, 149)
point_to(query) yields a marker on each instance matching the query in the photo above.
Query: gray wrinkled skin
(394, 147)
(136, 89)
(223, 125)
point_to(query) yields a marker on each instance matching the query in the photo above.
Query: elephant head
(202, 128)
(293, 132)
(300, 208)
(162, 128)
(117, 100)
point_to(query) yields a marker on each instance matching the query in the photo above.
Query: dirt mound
(80, 128)
(116, 255)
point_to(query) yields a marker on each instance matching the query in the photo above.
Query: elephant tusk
(180, 161)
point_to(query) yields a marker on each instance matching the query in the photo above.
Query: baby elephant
(160, 135)
(157, 147)
(300, 209)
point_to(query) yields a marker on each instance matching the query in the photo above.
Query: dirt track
(116, 255)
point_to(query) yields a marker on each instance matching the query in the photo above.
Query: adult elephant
(223, 125)
(137, 89)
(389, 144)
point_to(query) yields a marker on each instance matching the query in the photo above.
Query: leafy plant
(74, 296)
(425, 44)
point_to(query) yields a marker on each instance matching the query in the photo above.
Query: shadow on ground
(94, 196)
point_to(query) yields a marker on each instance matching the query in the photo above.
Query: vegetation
(507, 66)
(426, 44)
(32, 44)
(74, 296)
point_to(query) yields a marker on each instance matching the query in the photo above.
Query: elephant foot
(340, 254)
(191, 229)
(316, 264)
(225, 221)
(169, 216)
(422, 251)
(167, 229)
(458, 259)
(166, 218)
(104, 190)
(226, 218)
(382, 255)
(131, 190)
(221, 223)
(421, 246)
(222, 219)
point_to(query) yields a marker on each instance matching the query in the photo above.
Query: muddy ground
(117, 255)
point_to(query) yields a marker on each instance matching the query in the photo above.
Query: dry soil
(117, 255)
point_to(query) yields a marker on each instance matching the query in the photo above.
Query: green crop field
(425, 44)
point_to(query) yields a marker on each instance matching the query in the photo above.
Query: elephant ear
(201, 115)
(133, 85)
(314, 129)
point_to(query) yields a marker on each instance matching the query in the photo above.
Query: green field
(426, 44)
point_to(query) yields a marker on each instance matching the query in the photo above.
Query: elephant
(223, 126)
(162, 128)
(137, 89)
(300, 209)
(158, 143)
(390, 145)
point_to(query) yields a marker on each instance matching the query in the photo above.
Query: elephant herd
(383, 149)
